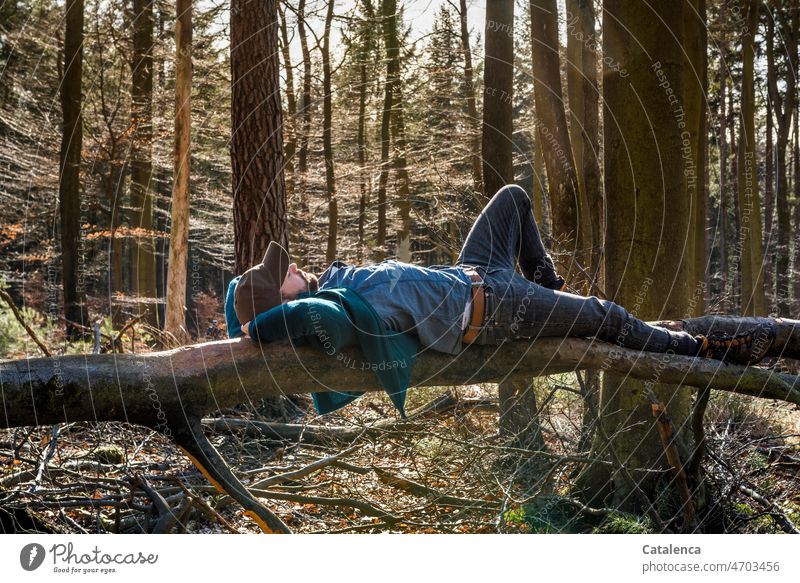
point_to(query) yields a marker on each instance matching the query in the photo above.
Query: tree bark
(365, 45)
(179, 229)
(648, 218)
(69, 183)
(584, 98)
(694, 103)
(562, 177)
(752, 255)
(397, 128)
(579, 30)
(784, 107)
(327, 144)
(305, 109)
(141, 165)
(769, 174)
(291, 104)
(383, 179)
(259, 194)
(796, 260)
(723, 178)
(472, 108)
(498, 77)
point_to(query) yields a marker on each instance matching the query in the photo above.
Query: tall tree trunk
(179, 229)
(498, 75)
(783, 106)
(562, 175)
(584, 102)
(291, 103)
(752, 274)
(769, 174)
(142, 191)
(575, 96)
(722, 120)
(327, 145)
(733, 148)
(796, 230)
(69, 182)
(648, 223)
(305, 109)
(365, 40)
(383, 179)
(472, 108)
(259, 194)
(693, 143)
(397, 128)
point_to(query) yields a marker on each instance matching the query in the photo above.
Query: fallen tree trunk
(159, 389)
(171, 391)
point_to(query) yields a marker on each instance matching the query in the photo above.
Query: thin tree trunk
(305, 110)
(179, 229)
(723, 180)
(383, 178)
(365, 41)
(783, 106)
(769, 172)
(752, 276)
(327, 145)
(472, 108)
(562, 175)
(498, 74)
(584, 98)
(796, 157)
(69, 183)
(259, 194)
(291, 104)
(796, 263)
(736, 239)
(397, 129)
(578, 29)
(142, 191)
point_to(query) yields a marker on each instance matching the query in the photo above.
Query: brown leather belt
(478, 306)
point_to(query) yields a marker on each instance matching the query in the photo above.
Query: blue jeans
(526, 307)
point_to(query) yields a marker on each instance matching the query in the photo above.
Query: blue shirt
(329, 320)
(426, 301)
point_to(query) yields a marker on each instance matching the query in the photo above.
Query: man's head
(269, 283)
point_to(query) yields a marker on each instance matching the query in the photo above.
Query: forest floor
(446, 469)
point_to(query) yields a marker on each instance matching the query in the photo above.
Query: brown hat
(259, 288)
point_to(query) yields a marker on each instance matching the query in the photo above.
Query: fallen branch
(434, 496)
(304, 471)
(777, 514)
(10, 301)
(364, 507)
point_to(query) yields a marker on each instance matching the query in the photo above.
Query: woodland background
(150, 150)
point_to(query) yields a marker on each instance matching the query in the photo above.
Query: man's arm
(320, 323)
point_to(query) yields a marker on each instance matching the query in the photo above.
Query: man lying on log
(391, 308)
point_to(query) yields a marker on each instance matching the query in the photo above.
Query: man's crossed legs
(530, 307)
